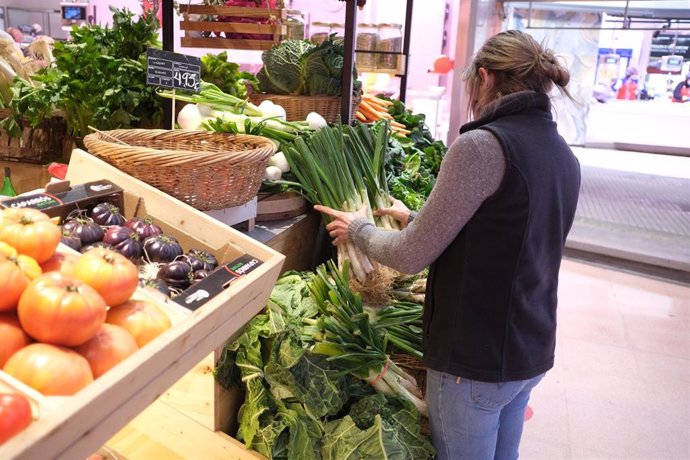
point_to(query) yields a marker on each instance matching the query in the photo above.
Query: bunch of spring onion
(214, 110)
(401, 324)
(342, 167)
(411, 288)
(352, 342)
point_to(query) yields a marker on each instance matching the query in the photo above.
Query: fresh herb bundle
(98, 78)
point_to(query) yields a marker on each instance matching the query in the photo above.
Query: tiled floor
(620, 388)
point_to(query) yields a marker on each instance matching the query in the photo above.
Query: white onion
(189, 117)
(279, 161)
(273, 173)
(316, 121)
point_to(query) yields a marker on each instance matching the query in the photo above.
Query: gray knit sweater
(471, 171)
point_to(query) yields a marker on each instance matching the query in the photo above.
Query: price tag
(173, 70)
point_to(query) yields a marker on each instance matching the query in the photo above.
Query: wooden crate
(194, 29)
(80, 424)
(41, 145)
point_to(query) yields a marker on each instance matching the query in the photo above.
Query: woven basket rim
(102, 139)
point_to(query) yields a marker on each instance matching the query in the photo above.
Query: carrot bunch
(372, 109)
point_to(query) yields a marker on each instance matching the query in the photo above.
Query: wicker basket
(298, 107)
(42, 145)
(203, 169)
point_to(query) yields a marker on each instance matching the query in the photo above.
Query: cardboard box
(61, 198)
(80, 424)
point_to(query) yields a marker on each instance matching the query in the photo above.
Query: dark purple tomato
(125, 241)
(162, 248)
(85, 229)
(176, 274)
(107, 214)
(145, 228)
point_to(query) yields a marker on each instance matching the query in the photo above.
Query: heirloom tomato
(30, 232)
(50, 369)
(15, 414)
(15, 275)
(109, 346)
(12, 336)
(60, 309)
(111, 274)
(143, 319)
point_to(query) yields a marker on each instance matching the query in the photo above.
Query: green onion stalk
(401, 323)
(321, 165)
(352, 342)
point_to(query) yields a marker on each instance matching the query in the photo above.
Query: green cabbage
(282, 70)
(298, 67)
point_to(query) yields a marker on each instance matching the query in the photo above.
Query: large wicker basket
(203, 169)
(298, 107)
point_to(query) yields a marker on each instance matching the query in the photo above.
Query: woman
(493, 231)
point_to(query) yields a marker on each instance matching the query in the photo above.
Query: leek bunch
(351, 340)
(342, 167)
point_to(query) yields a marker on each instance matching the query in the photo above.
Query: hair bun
(556, 71)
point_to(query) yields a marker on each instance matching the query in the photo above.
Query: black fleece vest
(490, 311)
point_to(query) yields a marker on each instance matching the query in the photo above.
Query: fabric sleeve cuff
(356, 230)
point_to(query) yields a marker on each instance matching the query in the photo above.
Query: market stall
(253, 363)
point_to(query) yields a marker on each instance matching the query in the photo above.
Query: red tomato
(111, 345)
(15, 414)
(15, 273)
(12, 337)
(59, 309)
(60, 262)
(144, 320)
(111, 274)
(30, 232)
(52, 370)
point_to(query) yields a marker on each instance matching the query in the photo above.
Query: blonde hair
(517, 62)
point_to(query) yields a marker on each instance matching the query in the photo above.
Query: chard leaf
(343, 440)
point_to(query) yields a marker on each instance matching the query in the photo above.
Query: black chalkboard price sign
(173, 70)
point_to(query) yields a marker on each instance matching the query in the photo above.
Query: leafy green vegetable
(395, 419)
(412, 162)
(343, 440)
(322, 69)
(282, 70)
(295, 398)
(300, 68)
(98, 79)
(226, 75)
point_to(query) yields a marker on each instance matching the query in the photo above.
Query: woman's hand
(341, 221)
(397, 211)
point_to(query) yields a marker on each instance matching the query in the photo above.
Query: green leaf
(343, 440)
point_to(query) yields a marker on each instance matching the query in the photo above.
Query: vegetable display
(413, 161)
(302, 403)
(66, 309)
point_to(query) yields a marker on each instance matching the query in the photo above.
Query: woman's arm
(471, 172)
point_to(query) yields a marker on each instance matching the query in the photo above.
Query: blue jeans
(476, 420)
